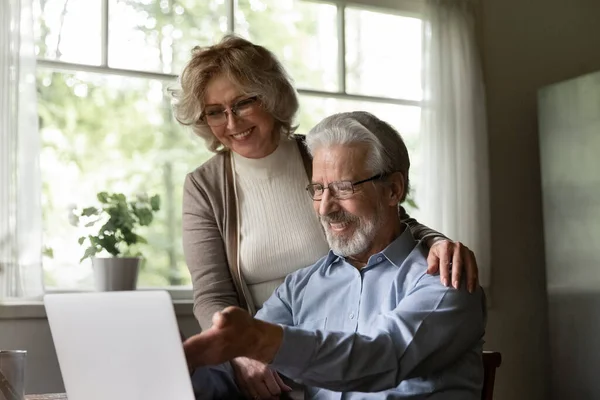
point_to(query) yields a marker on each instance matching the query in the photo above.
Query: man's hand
(445, 255)
(234, 334)
(256, 380)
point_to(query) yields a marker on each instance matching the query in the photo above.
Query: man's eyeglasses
(217, 116)
(340, 189)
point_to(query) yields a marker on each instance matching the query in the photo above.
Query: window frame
(406, 8)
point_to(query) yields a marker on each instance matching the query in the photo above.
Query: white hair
(387, 150)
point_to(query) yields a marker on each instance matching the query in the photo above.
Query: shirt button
(379, 259)
(351, 315)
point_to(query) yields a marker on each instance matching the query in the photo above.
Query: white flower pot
(115, 273)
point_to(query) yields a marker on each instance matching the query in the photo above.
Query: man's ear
(397, 188)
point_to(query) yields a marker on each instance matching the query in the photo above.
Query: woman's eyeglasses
(217, 116)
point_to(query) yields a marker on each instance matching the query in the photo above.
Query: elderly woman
(247, 219)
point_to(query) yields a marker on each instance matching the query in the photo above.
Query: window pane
(405, 119)
(109, 133)
(383, 54)
(158, 35)
(68, 30)
(302, 34)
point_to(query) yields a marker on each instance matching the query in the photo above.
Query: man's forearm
(339, 361)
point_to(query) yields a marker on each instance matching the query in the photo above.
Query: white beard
(361, 239)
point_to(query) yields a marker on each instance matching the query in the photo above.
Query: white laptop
(118, 346)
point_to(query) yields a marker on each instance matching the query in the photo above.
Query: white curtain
(20, 182)
(453, 192)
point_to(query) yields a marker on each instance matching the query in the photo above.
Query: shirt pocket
(313, 324)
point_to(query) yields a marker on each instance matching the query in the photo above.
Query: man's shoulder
(307, 272)
(414, 267)
(419, 282)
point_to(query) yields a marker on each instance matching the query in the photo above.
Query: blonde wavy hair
(251, 67)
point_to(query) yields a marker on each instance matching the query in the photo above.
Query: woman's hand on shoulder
(451, 260)
(256, 380)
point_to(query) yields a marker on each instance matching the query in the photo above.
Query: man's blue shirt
(389, 329)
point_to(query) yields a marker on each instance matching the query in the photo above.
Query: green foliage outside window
(118, 219)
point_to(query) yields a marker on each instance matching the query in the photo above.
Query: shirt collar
(332, 258)
(396, 252)
(400, 248)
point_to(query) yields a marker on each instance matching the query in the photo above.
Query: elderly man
(366, 317)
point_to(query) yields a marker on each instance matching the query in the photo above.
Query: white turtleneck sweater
(279, 231)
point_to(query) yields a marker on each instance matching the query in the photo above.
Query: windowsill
(182, 303)
(34, 309)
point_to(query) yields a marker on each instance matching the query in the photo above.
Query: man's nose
(328, 203)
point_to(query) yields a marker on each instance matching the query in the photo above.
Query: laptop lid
(118, 346)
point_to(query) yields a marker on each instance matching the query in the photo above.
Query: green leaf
(144, 216)
(102, 197)
(130, 238)
(81, 240)
(109, 243)
(155, 202)
(48, 252)
(412, 203)
(89, 252)
(93, 240)
(108, 228)
(89, 211)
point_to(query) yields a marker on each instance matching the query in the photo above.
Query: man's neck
(382, 241)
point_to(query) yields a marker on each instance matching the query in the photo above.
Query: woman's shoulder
(211, 173)
(306, 158)
(301, 142)
(212, 167)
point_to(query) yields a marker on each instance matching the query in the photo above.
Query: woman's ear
(397, 188)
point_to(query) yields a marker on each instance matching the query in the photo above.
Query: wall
(33, 335)
(526, 45)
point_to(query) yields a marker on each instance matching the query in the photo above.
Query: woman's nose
(231, 120)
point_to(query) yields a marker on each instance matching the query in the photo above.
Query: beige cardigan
(210, 236)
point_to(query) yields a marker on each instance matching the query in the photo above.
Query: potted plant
(118, 220)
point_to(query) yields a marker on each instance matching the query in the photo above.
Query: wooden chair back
(491, 361)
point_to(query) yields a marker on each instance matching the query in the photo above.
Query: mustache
(337, 217)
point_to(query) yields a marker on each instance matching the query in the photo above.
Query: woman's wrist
(429, 242)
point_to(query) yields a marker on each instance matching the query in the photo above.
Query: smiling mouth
(338, 226)
(242, 135)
